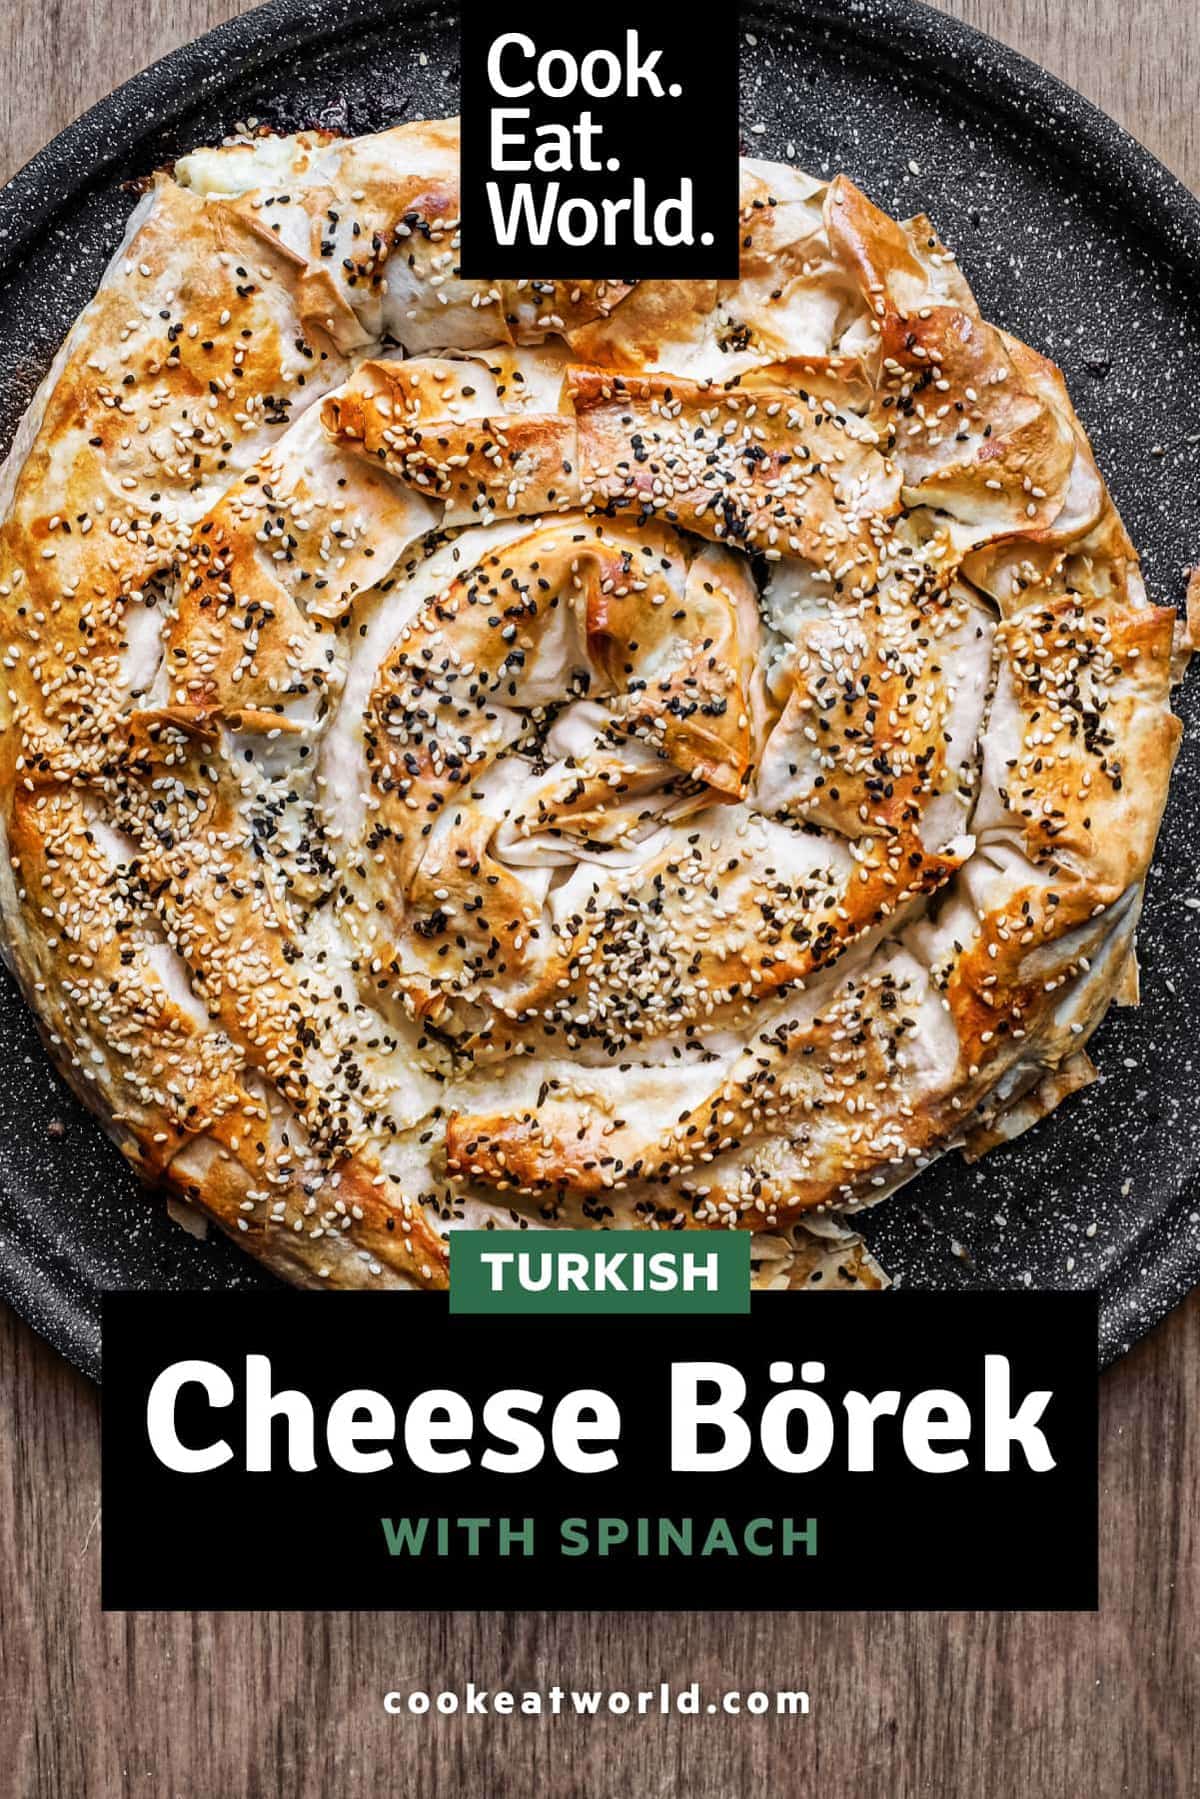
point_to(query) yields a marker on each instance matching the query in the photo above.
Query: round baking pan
(1071, 235)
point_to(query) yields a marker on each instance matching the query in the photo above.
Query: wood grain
(288, 1706)
(1141, 64)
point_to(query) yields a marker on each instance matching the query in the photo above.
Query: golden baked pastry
(529, 753)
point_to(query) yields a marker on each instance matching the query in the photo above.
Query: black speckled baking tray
(1070, 233)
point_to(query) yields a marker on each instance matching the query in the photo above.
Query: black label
(599, 146)
(316, 1451)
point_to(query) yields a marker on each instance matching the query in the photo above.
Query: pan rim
(1167, 216)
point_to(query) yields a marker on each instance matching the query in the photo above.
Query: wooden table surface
(288, 1706)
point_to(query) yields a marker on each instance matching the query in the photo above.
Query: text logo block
(599, 146)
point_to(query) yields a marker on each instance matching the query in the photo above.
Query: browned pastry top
(526, 753)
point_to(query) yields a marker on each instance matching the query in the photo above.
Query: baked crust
(679, 755)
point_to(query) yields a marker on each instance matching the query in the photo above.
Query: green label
(599, 1271)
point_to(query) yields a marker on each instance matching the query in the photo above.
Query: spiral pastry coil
(520, 754)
